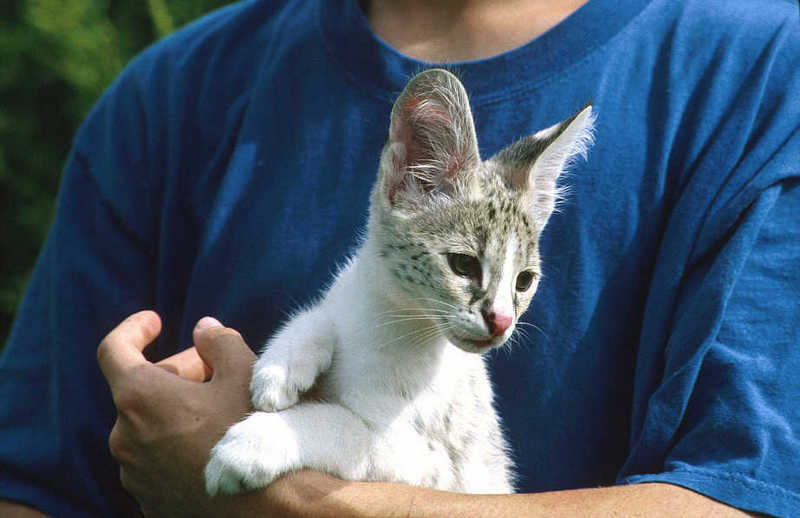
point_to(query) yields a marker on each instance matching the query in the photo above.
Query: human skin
(172, 412)
(446, 31)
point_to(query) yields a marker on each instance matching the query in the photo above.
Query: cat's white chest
(428, 414)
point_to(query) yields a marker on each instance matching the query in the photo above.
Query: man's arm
(310, 494)
(14, 510)
(167, 424)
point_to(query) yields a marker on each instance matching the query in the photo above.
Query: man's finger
(221, 348)
(123, 346)
(187, 364)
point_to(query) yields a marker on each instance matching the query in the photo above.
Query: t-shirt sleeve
(723, 418)
(716, 404)
(55, 409)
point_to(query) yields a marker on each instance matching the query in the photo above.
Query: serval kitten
(379, 380)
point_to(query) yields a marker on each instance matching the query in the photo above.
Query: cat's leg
(292, 359)
(266, 445)
(487, 475)
(485, 464)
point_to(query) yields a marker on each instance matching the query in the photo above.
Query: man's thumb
(221, 348)
(207, 323)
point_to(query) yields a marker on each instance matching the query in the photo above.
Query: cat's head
(457, 235)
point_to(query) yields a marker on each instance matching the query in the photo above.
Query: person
(226, 172)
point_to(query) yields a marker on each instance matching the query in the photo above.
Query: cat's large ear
(432, 146)
(533, 164)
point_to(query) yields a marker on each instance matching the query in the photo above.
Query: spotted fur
(449, 263)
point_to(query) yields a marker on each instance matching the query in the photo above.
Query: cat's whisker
(508, 347)
(394, 318)
(439, 329)
(403, 311)
(521, 325)
(407, 319)
(431, 330)
(413, 314)
(389, 317)
(521, 336)
(414, 340)
(443, 303)
(423, 337)
(516, 340)
(520, 330)
(429, 316)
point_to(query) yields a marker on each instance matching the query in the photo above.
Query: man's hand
(167, 417)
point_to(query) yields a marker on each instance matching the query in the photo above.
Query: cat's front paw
(271, 390)
(251, 455)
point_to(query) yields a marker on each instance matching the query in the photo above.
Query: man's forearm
(315, 495)
(13, 510)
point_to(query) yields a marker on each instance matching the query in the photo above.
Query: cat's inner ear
(533, 164)
(432, 145)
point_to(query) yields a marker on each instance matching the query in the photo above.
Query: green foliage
(56, 58)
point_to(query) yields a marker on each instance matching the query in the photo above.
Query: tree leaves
(56, 58)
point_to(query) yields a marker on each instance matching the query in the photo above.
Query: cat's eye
(524, 280)
(465, 265)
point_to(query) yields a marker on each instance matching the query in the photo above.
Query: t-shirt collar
(376, 66)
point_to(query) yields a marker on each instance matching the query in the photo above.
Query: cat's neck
(394, 319)
(390, 344)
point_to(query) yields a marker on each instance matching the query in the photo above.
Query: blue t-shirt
(227, 172)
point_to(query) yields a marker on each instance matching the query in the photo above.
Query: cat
(383, 378)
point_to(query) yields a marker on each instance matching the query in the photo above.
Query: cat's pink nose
(497, 322)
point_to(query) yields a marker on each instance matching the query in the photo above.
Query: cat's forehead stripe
(503, 302)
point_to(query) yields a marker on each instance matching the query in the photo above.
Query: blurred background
(56, 58)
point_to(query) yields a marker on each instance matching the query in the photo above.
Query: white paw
(271, 389)
(251, 455)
